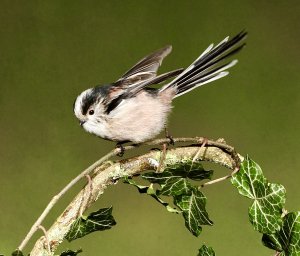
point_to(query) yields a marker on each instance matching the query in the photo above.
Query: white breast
(139, 118)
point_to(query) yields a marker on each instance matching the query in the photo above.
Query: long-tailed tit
(130, 110)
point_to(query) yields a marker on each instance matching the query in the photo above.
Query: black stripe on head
(91, 98)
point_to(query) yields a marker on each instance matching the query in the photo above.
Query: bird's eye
(91, 112)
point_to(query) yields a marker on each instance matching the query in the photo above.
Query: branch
(105, 175)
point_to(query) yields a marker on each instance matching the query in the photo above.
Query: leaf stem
(220, 179)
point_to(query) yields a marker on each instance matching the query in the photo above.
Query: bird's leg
(120, 146)
(168, 136)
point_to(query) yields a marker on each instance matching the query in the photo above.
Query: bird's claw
(121, 149)
(171, 140)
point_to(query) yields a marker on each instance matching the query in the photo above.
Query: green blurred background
(52, 50)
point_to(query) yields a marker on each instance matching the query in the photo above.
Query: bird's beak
(81, 123)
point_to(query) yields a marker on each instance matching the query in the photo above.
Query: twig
(200, 149)
(89, 188)
(46, 237)
(160, 167)
(110, 175)
(38, 222)
(88, 170)
(220, 179)
(218, 152)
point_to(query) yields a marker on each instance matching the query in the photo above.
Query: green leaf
(96, 221)
(152, 192)
(174, 179)
(272, 242)
(17, 253)
(142, 189)
(265, 212)
(287, 240)
(185, 169)
(206, 251)
(70, 253)
(176, 186)
(194, 213)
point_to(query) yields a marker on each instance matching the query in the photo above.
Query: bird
(132, 110)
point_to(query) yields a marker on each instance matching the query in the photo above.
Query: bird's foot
(170, 137)
(121, 149)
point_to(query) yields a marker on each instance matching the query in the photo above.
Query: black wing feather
(149, 64)
(131, 92)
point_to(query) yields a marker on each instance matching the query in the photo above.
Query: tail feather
(208, 66)
(205, 78)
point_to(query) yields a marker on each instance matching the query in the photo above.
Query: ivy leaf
(70, 253)
(185, 169)
(142, 189)
(174, 179)
(96, 221)
(176, 186)
(206, 251)
(194, 213)
(287, 240)
(17, 253)
(265, 212)
(152, 192)
(172, 183)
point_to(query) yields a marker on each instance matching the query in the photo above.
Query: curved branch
(105, 175)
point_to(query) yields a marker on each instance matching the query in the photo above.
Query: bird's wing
(145, 69)
(132, 91)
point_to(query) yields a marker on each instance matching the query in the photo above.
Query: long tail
(209, 66)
